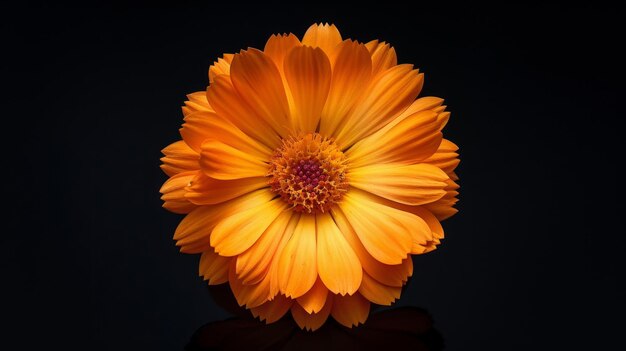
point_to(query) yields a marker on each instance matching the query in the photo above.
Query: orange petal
(312, 321)
(254, 263)
(339, 267)
(388, 95)
(179, 157)
(412, 140)
(196, 102)
(209, 191)
(308, 74)
(415, 184)
(384, 231)
(235, 234)
(446, 156)
(194, 130)
(423, 213)
(252, 295)
(272, 310)
(297, 266)
(313, 301)
(195, 247)
(229, 105)
(434, 225)
(352, 71)
(221, 66)
(324, 36)
(440, 108)
(430, 219)
(194, 231)
(422, 104)
(278, 46)
(421, 235)
(173, 191)
(453, 176)
(221, 161)
(258, 82)
(274, 266)
(383, 56)
(393, 275)
(204, 125)
(214, 267)
(199, 97)
(350, 310)
(443, 118)
(443, 208)
(377, 292)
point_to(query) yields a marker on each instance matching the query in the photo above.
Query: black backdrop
(91, 96)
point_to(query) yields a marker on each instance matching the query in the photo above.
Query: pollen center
(309, 173)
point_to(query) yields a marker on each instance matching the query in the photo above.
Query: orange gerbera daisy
(310, 174)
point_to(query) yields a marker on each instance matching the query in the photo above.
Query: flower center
(309, 173)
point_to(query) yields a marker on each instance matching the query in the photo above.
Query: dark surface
(91, 96)
(406, 328)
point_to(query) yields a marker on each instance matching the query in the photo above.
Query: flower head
(310, 173)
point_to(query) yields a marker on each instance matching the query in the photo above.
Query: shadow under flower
(404, 327)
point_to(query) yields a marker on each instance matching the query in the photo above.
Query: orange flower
(310, 174)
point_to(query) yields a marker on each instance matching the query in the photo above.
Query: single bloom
(309, 174)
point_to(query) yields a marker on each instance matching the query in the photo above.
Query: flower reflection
(406, 327)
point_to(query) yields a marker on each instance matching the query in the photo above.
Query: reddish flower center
(309, 173)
